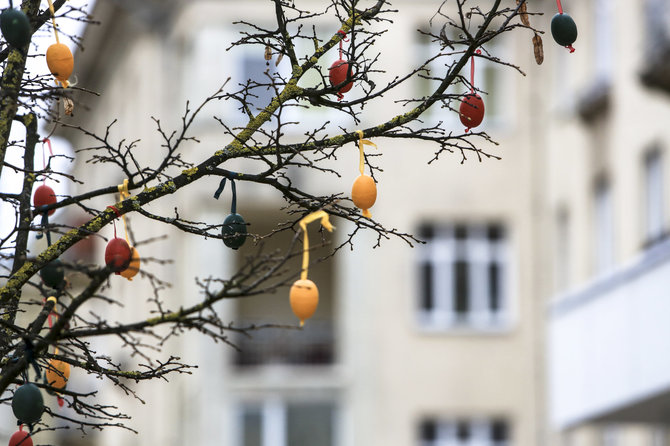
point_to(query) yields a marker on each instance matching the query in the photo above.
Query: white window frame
(274, 419)
(442, 252)
(481, 433)
(604, 39)
(654, 200)
(603, 227)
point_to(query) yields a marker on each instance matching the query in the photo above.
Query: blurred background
(535, 314)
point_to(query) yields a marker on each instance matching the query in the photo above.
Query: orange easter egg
(133, 266)
(364, 193)
(60, 62)
(304, 298)
(58, 372)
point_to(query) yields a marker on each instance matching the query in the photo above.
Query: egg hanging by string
(304, 298)
(27, 403)
(133, 266)
(563, 28)
(364, 189)
(15, 27)
(304, 294)
(53, 274)
(471, 110)
(44, 196)
(117, 255)
(59, 57)
(234, 228)
(57, 374)
(20, 438)
(340, 71)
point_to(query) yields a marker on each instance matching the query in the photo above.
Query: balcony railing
(608, 346)
(313, 345)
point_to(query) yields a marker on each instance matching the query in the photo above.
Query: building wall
(392, 374)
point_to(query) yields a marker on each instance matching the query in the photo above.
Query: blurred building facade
(452, 350)
(607, 190)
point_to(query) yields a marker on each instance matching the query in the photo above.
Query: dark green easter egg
(15, 27)
(27, 403)
(234, 231)
(563, 29)
(53, 274)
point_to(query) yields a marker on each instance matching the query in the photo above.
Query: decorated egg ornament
(337, 73)
(15, 27)
(234, 228)
(471, 110)
(57, 374)
(44, 195)
(234, 231)
(364, 189)
(117, 254)
(133, 266)
(60, 62)
(53, 274)
(20, 438)
(364, 194)
(563, 28)
(27, 403)
(340, 71)
(304, 295)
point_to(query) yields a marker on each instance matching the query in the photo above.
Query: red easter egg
(20, 438)
(44, 195)
(118, 255)
(472, 110)
(337, 73)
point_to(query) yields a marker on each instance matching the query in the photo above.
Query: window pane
(428, 430)
(310, 425)
(654, 196)
(494, 287)
(427, 302)
(251, 427)
(499, 431)
(461, 289)
(463, 431)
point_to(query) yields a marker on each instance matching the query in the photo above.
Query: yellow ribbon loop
(325, 222)
(53, 20)
(124, 195)
(361, 142)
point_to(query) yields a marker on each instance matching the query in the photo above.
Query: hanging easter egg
(472, 110)
(53, 274)
(44, 195)
(60, 61)
(117, 254)
(57, 374)
(133, 266)
(20, 438)
(364, 193)
(15, 27)
(337, 73)
(234, 231)
(304, 297)
(563, 29)
(27, 403)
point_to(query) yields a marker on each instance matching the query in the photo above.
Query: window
(314, 345)
(463, 273)
(278, 423)
(464, 433)
(604, 39)
(603, 227)
(562, 251)
(653, 196)
(495, 81)
(657, 17)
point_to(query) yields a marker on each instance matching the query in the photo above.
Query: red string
(472, 72)
(344, 39)
(572, 50)
(560, 8)
(44, 162)
(60, 401)
(118, 214)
